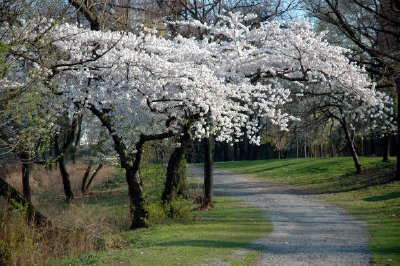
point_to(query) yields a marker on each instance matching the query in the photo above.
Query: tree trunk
(175, 183)
(350, 142)
(386, 148)
(236, 151)
(321, 148)
(77, 139)
(60, 147)
(135, 188)
(137, 198)
(362, 146)
(85, 177)
(372, 146)
(398, 129)
(93, 176)
(15, 199)
(26, 169)
(226, 152)
(208, 173)
(65, 178)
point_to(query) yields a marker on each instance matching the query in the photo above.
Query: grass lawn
(371, 196)
(221, 235)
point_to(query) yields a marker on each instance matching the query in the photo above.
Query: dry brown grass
(43, 179)
(23, 244)
(76, 229)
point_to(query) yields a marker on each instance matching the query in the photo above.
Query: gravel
(306, 230)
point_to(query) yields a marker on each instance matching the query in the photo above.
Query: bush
(18, 240)
(156, 213)
(24, 244)
(179, 209)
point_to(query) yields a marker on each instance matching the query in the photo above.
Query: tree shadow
(388, 196)
(215, 244)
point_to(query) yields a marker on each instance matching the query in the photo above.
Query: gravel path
(307, 230)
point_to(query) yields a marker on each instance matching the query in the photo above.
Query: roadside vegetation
(372, 196)
(92, 230)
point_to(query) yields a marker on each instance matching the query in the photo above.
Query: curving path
(307, 231)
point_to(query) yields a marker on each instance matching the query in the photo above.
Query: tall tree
(374, 27)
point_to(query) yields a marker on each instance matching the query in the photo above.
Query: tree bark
(93, 176)
(397, 83)
(138, 211)
(75, 145)
(69, 196)
(85, 177)
(321, 148)
(350, 142)
(236, 151)
(175, 183)
(15, 199)
(26, 169)
(386, 148)
(60, 150)
(208, 173)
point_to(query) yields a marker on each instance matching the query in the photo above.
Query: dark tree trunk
(362, 146)
(350, 142)
(26, 169)
(386, 148)
(69, 196)
(61, 147)
(175, 183)
(208, 173)
(256, 152)
(398, 129)
(321, 148)
(15, 199)
(372, 143)
(131, 166)
(236, 151)
(250, 151)
(93, 176)
(137, 198)
(77, 139)
(85, 177)
(226, 152)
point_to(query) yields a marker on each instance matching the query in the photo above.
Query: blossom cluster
(225, 83)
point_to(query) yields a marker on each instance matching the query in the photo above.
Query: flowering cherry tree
(144, 87)
(295, 57)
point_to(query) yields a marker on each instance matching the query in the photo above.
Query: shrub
(24, 244)
(179, 209)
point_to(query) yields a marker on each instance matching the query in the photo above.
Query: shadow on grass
(388, 196)
(215, 244)
(273, 248)
(264, 169)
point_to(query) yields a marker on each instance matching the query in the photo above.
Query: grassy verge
(221, 235)
(371, 196)
(214, 236)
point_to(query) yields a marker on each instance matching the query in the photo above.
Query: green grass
(321, 174)
(212, 236)
(371, 196)
(223, 234)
